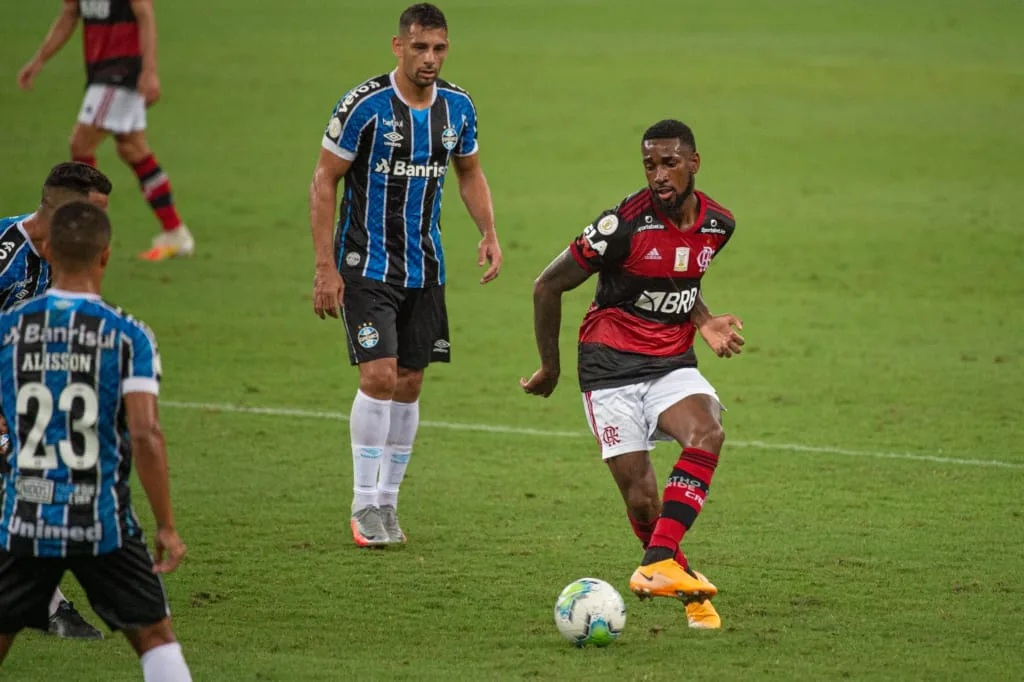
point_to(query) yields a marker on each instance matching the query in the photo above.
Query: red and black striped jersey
(649, 272)
(113, 54)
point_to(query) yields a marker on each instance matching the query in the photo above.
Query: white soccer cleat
(176, 243)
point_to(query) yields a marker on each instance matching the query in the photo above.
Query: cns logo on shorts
(367, 336)
(352, 259)
(449, 139)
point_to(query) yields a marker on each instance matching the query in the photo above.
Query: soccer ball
(590, 611)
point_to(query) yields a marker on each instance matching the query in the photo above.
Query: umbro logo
(393, 138)
(653, 255)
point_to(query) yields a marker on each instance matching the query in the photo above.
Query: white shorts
(113, 108)
(625, 418)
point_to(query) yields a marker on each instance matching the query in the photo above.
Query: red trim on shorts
(104, 107)
(593, 420)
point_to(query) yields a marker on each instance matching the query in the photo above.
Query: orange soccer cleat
(701, 614)
(668, 579)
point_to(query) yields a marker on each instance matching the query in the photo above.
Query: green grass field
(866, 521)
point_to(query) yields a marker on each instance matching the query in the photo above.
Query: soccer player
(24, 273)
(391, 138)
(637, 367)
(79, 381)
(121, 72)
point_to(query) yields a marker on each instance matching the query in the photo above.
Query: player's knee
(151, 636)
(378, 380)
(410, 383)
(708, 435)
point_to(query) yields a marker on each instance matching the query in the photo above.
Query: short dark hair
(423, 14)
(77, 177)
(671, 128)
(79, 233)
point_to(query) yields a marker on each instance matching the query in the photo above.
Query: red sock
(645, 529)
(642, 529)
(157, 190)
(685, 493)
(87, 160)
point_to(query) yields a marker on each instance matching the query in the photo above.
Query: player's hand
(28, 74)
(542, 382)
(149, 87)
(168, 543)
(720, 336)
(328, 292)
(490, 252)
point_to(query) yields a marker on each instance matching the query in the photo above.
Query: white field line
(520, 431)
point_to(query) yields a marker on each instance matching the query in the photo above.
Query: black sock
(655, 554)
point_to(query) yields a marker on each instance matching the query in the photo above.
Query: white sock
(165, 663)
(405, 418)
(56, 600)
(368, 427)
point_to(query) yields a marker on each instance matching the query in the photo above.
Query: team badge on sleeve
(607, 225)
(334, 127)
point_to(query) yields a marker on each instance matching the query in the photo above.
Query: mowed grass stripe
(521, 431)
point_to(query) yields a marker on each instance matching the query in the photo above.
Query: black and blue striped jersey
(389, 228)
(23, 272)
(66, 361)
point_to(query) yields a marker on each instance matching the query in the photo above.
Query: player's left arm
(140, 386)
(718, 330)
(476, 195)
(149, 81)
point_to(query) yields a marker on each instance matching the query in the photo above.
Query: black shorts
(121, 587)
(388, 321)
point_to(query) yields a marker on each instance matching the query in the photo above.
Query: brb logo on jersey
(668, 302)
(95, 9)
(410, 170)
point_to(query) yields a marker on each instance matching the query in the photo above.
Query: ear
(396, 46)
(99, 200)
(695, 163)
(105, 257)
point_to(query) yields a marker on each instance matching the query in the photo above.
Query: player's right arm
(562, 275)
(140, 387)
(60, 30)
(328, 286)
(338, 150)
(604, 243)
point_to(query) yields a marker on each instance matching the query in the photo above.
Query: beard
(673, 207)
(416, 78)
